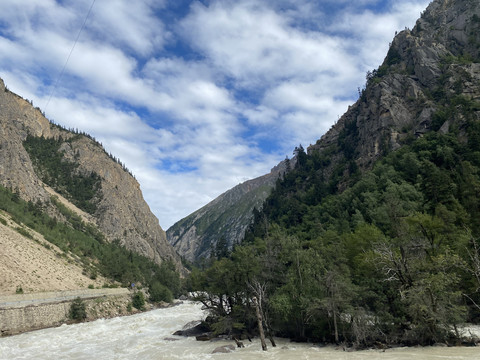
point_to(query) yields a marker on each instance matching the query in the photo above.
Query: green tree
(159, 292)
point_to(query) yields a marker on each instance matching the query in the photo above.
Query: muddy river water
(149, 336)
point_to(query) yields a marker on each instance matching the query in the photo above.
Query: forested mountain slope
(374, 237)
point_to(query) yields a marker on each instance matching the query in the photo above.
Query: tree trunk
(239, 343)
(267, 328)
(270, 337)
(335, 326)
(260, 324)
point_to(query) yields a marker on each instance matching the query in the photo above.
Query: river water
(148, 336)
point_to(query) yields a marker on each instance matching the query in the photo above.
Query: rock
(398, 104)
(193, 328)
(170, 339)
(224, 349)
(203, 337)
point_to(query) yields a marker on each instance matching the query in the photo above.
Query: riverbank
(22, 313)
(148, 335)
(27, 312)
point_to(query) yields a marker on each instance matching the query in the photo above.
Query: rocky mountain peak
(424, 69)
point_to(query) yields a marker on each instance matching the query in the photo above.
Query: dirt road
(22, 300)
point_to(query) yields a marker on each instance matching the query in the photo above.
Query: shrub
(24, 232)
(78, 311)
(138, 300)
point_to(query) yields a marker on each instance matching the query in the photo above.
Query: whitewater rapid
(149, 336)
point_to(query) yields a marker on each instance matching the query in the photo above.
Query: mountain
(408, 95)
(426, 91)
(425, 70)
(373, 238)
(220, 224)
(54, 169)
(32, 264)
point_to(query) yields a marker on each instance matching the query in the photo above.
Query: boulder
(204, 337)
(193, 328)
(224, 349)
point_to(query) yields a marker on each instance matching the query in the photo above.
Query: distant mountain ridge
(224, 219)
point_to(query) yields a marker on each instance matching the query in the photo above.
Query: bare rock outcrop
(426, 70)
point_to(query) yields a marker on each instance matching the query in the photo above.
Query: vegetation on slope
(85, 241)
(394, 258)
(386, 255)
(63, 175)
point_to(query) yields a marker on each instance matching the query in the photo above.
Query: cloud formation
(196, 96)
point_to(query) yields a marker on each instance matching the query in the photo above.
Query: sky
(195, 97)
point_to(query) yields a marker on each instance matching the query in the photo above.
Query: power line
(68, 58)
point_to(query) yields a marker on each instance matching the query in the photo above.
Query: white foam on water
(142, 336)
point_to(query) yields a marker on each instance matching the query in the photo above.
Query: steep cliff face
(223, 221)
(120, 211)
(427, 75)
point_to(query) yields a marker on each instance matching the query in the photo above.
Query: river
(148, 336)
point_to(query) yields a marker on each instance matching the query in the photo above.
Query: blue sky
(196, 96)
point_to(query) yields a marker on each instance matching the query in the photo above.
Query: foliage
(83, 189)
(138, 300)
(390, 259)
(111, 260)
(159, 292)
(78, 310)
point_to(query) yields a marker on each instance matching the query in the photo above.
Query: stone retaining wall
(32, 317)
(26, 312)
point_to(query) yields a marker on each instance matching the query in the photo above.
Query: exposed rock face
(121, 211)
(425, 70)
(224, 218)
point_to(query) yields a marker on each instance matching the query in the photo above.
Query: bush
(138, 300)
(24, 232)
(159, 292)
(78, 310)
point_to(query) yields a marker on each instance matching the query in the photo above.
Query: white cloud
(255, 45)
(197, 102)
(130, 24)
